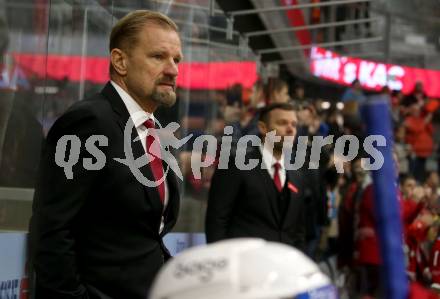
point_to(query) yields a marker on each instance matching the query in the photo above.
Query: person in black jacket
(98, 233)
(266, 201)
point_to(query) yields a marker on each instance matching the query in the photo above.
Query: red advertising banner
(192, 75)
(372, 75)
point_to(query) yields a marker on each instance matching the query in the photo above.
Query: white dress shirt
(269, 160)
(133, 107)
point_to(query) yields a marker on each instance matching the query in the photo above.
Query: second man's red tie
(276, 176)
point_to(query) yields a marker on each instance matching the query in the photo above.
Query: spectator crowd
(340, 225)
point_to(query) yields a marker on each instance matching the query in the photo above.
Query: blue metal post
(376, 113)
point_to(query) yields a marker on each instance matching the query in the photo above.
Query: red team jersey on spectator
(417, 261)
(367, 242)
(434, 263)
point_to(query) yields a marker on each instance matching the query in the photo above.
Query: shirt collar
(269, 159)
(133, 107)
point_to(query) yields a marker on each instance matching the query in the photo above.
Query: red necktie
(153, 149)
(276, 176)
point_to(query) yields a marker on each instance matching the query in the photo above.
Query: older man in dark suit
(98, 233)
(266, 201)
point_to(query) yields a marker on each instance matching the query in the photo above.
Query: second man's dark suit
(97, 235)
(246, 203)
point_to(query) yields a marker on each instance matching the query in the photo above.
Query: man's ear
(118, 59)
(262, 127)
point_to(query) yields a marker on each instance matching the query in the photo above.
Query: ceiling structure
(281, 32)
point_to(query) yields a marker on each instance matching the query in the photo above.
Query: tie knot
(149, 123)
(277, 166)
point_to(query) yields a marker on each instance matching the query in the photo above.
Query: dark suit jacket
(246, 204)
(97, 235)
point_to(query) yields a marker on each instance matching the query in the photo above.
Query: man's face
(281, 96)
(415, 109)
(433, 180)
(358, 172)
(257, 96)
(408, 188)
(283, 122)
(299, 92)
(305, 117)
(152, 66)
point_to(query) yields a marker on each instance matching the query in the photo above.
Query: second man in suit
(266, 201)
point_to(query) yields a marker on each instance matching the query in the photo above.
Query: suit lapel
(118, 106)
(293, 192)
(122, 117)
(268, 185)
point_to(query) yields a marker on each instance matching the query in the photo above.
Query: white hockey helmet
(242, 269)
